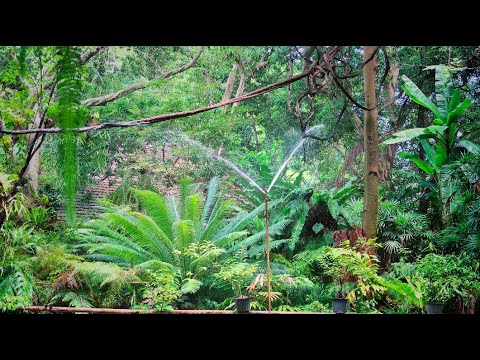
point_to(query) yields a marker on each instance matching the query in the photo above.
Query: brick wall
(87, 205)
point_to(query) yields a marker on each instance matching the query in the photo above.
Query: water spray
(232, 166)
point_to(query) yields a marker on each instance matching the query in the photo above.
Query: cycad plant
(184, 234)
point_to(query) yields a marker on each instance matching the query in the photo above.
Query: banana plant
(445, 130)
(442, 140)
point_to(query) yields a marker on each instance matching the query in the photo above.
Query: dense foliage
(180, 230)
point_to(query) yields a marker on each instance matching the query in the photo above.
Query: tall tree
(370, 207)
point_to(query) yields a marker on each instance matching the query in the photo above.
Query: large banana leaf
(422, 164)
(443, 88)
(455, 114)
(418, 96)
(455, 100)
(430, 152)
(410, 134)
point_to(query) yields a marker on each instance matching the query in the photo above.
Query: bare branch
(347, 94)
(184, 67)
(102, 100)
(170, 116)
(91, 53)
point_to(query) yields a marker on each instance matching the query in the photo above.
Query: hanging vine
(71, 114)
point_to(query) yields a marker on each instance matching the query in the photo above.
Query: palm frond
(274, 229)
(216, 221)
(157, 209)
(185, 186)
(212, 197)
(392, 246)
(193, 210)
(260, 249)
(225, 240)
(183, 232)
(173, 208)
(143, 230)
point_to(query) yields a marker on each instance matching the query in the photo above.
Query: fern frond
(190, 286)
(260, 249)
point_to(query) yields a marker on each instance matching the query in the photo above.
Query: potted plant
(333, 266)
(448, 277)
(436, 295)
(340, 290)
(237, 274)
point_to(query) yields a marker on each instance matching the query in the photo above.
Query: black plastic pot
(242, 303)
(434, 308)
(339, 306)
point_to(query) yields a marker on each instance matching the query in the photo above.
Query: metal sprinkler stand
(267, 242)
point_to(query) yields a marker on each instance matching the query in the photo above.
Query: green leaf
(427, 185)
(455, 100)
(435, 129)
(334, 208)
(190, 286)
(470, 146)
(317, 228)
(429, 151)
(438, 122)
(418, 96)
(410, 134)
(404, 135)
(440, 155)
(419, 162)
(455, 114)
(443, 89)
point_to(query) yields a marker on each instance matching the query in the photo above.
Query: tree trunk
(370, 208)
(241, 84)
(33, 170)
(227, 95)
